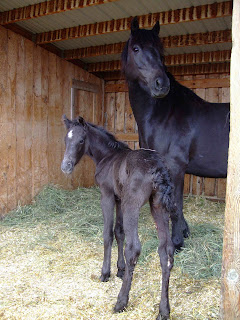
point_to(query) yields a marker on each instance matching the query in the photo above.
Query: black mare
(128, 179)
(190, 133)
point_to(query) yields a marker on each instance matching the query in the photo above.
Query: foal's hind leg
(119, 235)
(166, 252)
(107, 204)
(132, 252)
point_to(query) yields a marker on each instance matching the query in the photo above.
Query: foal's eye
(136, 49)
(81, 141)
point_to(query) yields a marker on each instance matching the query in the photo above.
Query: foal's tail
(163, 187)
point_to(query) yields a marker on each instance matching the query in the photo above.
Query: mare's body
(127, 180)
(190, 133)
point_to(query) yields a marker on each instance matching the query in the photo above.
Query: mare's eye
(136, 49)
(81, 141)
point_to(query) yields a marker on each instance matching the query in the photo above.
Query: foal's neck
(99, 145)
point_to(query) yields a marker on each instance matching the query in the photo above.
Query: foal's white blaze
(70, 134)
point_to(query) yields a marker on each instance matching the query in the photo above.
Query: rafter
(46, 8)
(207, 11)
(171, 60)
(195, 39)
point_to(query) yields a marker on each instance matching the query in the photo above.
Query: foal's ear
(82, 121)
(156, 28)
(134, 25)
(66, 121)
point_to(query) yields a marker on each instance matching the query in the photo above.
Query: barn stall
(63, 57)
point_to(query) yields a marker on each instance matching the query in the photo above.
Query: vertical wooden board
(11, 118)
(110, 101)
(209, 187)
(212, 94)
(20, 123)
(99, 105)
(28, 75)
(52, 153)
(36, 122)
(197, 185)
(129, 117)
(221, 188)
(3, 121)
(44, 117)
(201, 92)
(64, 99)
(120, 111)
(187, 184)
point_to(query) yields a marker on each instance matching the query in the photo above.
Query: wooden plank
(28, 95)
(85, 86)
(230, 290)
(120, 111)
(130, 137)
(115, 65)
(195, 39)
(208, 11)
(46, 8)
(195, 83)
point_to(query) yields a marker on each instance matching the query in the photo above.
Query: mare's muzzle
(160, 87)
(67, 166)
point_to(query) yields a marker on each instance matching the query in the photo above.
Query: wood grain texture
(230, 300)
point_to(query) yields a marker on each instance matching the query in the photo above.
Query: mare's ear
(82, 122)
(156, 28)
(66, 121)
(134, 25)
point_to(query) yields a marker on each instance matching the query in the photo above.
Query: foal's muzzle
(67, 166)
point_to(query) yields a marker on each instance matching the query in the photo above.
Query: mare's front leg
(180, 229)
(120, 236)
(166, 252)
(132, 252)
(107, 204)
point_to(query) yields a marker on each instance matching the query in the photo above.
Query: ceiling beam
(195, 39)
(207, 11)
(171, 60)
(46, 8)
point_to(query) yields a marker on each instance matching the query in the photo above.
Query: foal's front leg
(107, 204)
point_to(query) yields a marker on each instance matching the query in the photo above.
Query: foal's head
(143, 60)
(75, 141)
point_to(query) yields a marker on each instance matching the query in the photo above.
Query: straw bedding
(51, 256)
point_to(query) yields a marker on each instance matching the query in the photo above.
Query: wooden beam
(192, 84)
(46, 8)
(126, 136)
(195, 39)
(230, 298)
(207, 11)
(171, 60)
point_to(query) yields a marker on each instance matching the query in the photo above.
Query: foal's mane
(112, 142)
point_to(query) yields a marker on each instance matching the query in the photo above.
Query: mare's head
(143, 60)
(75, 142)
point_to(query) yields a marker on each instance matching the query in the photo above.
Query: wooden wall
(118, 118)
(34, 93)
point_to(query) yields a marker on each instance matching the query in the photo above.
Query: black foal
(128, 179)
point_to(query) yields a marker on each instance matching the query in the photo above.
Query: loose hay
(51, 256)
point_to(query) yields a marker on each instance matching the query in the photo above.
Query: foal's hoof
(120, 273)
(161, 317)
(120, 306)
(105, 277)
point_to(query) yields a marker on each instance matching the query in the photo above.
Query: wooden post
(230, 303)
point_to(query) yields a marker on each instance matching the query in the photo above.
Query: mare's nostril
(158, 84)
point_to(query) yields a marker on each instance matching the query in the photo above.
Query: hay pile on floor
(51, 256)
